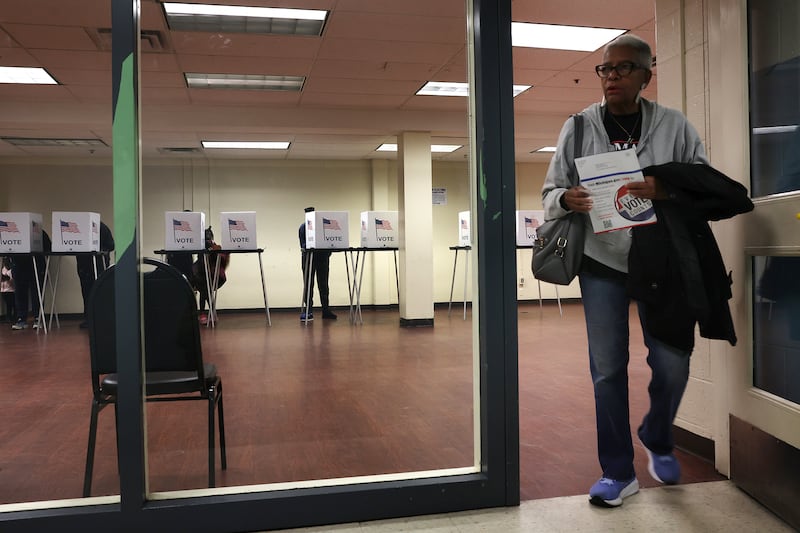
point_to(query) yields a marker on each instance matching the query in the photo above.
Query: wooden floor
(319, 401)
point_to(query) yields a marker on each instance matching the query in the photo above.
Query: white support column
(415, 181)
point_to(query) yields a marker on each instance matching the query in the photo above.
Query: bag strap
(577, 120)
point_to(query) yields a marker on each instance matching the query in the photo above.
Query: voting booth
(184, 230)
(20, 233)
(527, 224)
(327, 229)
(237, 230)
(379, 229)
(464, 229)
(75, 231)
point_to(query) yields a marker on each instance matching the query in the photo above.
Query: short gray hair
(638, 44)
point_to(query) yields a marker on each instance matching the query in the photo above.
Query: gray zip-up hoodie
(666, 137)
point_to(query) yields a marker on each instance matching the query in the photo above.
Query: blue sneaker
(610, 492)
(304, 318)
(663, 468)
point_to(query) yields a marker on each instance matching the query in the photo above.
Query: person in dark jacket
(320, 268)
(26, 294)
(90, 267)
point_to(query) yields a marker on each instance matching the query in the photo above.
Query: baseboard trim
(694, 444)
(766, 468)
(416, 322)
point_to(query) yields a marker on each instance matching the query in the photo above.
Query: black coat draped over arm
(675, 269)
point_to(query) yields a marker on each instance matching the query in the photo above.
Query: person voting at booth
(26, 295)
(7, 290)
(199, 273)
(87, 264)
(320, 268)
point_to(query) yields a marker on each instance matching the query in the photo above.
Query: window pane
(776, 326)
(775, 96)
(55, 156)
(331, 398)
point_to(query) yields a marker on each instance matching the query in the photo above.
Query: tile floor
(698, 507)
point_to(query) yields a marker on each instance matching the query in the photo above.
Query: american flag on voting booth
(236, 225)
(69, 227)
(383, 224)
(181, 225)
(8, 227)
(331, 224)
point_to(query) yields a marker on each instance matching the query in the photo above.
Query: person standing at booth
(199, 274)
(26, 295)
(320, 268)
(7, 290)
(86, 265)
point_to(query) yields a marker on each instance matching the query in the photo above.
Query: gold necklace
(633, 129)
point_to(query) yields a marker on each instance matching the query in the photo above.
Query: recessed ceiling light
(37, 141)
(26, 75)
(244, 19)
(553, 36)
(446, 88)
(435, 148)
(260, 145)
(544, 149)
(444, 148)
(244, 81)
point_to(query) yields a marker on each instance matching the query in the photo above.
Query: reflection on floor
(701, 508)
(324, 400)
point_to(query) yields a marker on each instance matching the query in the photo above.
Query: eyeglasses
(623, 69)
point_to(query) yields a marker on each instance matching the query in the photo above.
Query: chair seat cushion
(157, 383)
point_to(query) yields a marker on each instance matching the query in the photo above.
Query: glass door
(773, 235)
(766, 410)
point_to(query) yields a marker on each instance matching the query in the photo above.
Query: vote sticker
(631, 207)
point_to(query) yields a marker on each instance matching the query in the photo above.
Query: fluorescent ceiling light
(435, 148)
(775, 129)
(26, 75)
(557, 37)
(545, 149)
(271, 145)
(244, 81)
(243, 19)
(36, 141)
(445, 88)
(444, 148)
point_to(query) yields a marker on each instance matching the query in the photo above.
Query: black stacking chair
(173, 356)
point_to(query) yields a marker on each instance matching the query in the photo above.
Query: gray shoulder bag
(558, 248)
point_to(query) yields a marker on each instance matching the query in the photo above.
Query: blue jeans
(606, 306)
